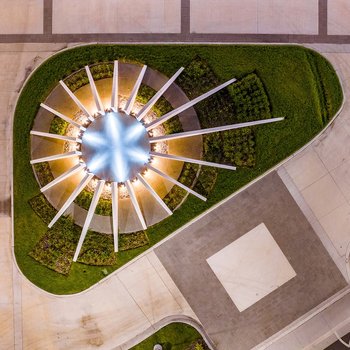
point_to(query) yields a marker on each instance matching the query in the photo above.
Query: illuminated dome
(115, 147)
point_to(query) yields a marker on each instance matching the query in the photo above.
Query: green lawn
(301, 86)
(175, 336)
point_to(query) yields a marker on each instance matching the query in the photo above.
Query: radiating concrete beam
(97, 98)
(156, 97)
(86, 179)
(130, 102)
(115, 210)
(135, 203)
(190, 160)
(167, 177)
(181, 135)
(70, 172)
(89, 217)
(56, 157)
(154, 193)
(62, 116)
(115, 87)
(76, 100)
(187, 105)
(55, 136)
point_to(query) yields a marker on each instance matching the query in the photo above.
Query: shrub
(245, 100)
(43, 173)
(133, 240)
(58, 126)
(43, 208)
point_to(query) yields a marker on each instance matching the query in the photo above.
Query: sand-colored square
(323, 196)
(224, 16)
(337, 226)
(338, 17)
(341, 176)
(255, 16)
(287, 17)
(21, 17)
(154, 305)
(251, 267)
(330, 148)
(306, 168)
(116, 16)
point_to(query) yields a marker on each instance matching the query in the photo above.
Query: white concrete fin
(115, 87)
(181, 135)
(115, 210)
(187, 105)
(156, 97)
(55, 136)
(135, 203)
(130, 102)
(190, 160)
(76, 100)
(97, 98)
(86, 179)
(167, 177)
(62, 116)
(56, 157)
(78, 167)
(89, 216)
(153, 193)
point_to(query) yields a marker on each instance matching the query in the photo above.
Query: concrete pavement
(175, 21)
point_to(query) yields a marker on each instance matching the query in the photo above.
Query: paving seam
(47, 17)
(185, 17)
(322, 18)
(161, 278)
(17, 309)
(138, 305)
(314, 222)
(303, 319)
(180, 38)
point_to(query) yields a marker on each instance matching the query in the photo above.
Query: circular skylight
(115, 147)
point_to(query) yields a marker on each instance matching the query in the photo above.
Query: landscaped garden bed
(175, 336)
(287, 81)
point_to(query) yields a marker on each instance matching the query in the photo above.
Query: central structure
(115, 147)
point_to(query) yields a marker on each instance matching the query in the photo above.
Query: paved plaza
(308, 229)
(311, 277)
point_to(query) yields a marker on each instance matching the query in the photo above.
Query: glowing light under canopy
(115, 147)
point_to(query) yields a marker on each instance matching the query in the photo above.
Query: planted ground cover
(300, 85)
(56, 247)
(175, 336)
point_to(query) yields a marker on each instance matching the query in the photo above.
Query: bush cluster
(43, 173)
(187, 177)
(243, 101)
(58, 126)
(104, 206)
(56, 247)
(43, 208)
(99, 71)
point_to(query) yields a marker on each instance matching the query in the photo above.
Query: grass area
(301, 86)
(175, 336)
